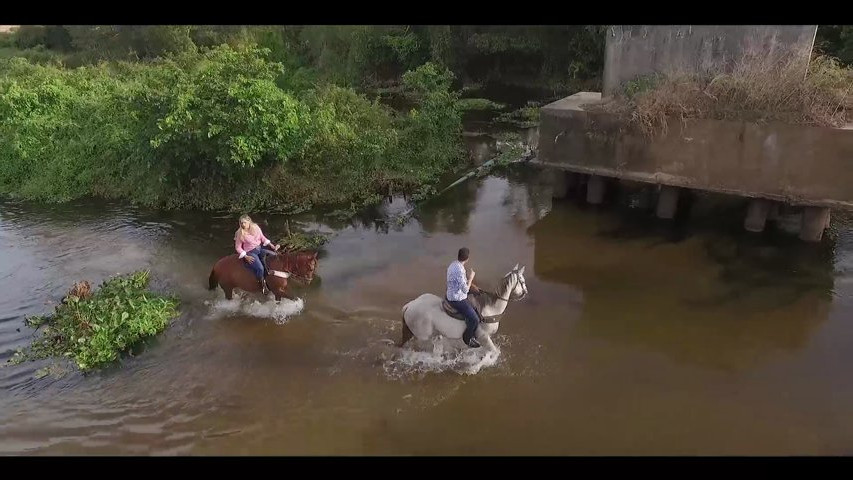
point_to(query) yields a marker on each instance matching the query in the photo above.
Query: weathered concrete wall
(634, 50)
(791, 163)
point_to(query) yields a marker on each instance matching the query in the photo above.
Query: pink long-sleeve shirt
(249, 241)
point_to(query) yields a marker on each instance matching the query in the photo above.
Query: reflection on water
(449, 213)
(712, 298)
(638, 337)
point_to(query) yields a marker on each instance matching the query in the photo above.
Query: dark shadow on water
(699, 288)
(772, 261)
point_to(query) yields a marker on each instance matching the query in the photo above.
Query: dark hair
(463, 254)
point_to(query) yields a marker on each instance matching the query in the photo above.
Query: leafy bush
(468, 104)
(222, 128)
(94, 330)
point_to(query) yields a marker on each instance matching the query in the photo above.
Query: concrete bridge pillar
(559, 183)
(787, 218)
(667, 202)
(775, 213)
(595, 189)
(815, 221)
(563, 183)
(756, 215)
(573, 181)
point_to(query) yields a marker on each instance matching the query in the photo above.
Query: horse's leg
(490, 344)
(283, 292)
(229, 292)
(407, 333)
(486, 340)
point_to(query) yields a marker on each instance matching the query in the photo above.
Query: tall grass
(754, 88)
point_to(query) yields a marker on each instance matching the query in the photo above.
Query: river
(638, 337)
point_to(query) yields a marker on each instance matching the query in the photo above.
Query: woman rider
(248, 241)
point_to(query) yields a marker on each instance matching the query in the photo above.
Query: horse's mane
(300, 252)
(295, 253)
(486, 297)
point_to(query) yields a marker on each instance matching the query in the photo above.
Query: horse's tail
(407, 332)
(212, 281)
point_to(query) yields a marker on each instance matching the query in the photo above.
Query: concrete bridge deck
(773, 162)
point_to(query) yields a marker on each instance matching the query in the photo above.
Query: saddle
(268, 271)
(452, 312)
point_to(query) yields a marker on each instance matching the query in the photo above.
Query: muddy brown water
(638, 337)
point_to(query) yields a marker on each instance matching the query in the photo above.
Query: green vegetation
(256, 117)
(566, 56)
(510, 149)
(277, 117)
(296, 241)
(94, 329)
(467, 104)
(836, 41)
(525, 117)
(223, 128)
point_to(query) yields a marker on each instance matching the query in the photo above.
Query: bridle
(523, 289)
(301, 278)
(494, 319)
(286, 274)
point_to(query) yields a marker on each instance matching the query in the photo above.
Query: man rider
(458, 285)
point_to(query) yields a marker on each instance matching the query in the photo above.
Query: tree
(836, 41)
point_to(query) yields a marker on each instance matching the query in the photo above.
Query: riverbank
(202, 118)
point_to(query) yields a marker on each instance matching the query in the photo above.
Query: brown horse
(230, 272)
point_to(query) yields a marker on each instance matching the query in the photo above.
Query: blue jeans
(471, 318)
(257, 267)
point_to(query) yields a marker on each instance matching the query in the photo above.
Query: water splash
(280, 312)
(441, 356)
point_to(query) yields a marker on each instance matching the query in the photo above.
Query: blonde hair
(239, 234)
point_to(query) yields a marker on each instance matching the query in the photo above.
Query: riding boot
(262, 282)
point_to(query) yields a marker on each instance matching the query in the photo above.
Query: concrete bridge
(778, 167)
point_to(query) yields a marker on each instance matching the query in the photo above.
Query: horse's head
(307, 266)
(301, 265)
(517, 283)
